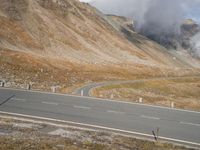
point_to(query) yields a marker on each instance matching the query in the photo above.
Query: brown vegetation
(184, 92)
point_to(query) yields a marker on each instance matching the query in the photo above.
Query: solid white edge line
(101, 127)
(107, 100)
(188, 123)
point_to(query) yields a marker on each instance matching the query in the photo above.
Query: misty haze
(158, 20)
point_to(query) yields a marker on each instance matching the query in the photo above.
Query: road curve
(177, 125)
(86, 90)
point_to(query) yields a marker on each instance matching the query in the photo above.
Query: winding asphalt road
(174, 125)
(86, 90)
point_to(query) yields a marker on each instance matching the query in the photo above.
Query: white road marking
(81, 107)
(115, 112)
(150, 117)
(50, 103)
(101, 127)
(188, 123)
(18, 99)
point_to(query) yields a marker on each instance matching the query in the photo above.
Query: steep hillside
(70, 30)
(64, 29)
(65, 43)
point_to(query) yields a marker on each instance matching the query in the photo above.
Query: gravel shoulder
(25, 134)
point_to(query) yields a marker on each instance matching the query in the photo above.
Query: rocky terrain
(178, 41)
(27, 134)
(189, 29)
(179, 46)
(63, 29)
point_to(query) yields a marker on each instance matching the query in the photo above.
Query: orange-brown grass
(22, 68)
(185, 92)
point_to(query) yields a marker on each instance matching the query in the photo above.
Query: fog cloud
(164, 14)
(195, 42)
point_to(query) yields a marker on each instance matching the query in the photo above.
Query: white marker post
(112, 96)
(82, 93)
(28, 87)
(53, 89)
(140, 100)
(1, 84)
(172, 104)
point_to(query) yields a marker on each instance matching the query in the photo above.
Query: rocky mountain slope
(64, 29)
(189, 29)
(65, 41)
(178, 46)
(70, 30)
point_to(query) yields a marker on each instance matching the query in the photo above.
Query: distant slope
(151, 48)
(65, 29)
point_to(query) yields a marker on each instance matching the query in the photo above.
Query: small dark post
(155, 137)
(157, 132)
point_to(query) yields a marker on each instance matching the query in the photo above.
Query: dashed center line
(150, 117)
(115, 112)
(18, 99)
(188, 123)
(50, 103)
(82, 107)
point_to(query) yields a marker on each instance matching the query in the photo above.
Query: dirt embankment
(22, 135)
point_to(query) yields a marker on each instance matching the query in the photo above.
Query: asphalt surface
(172, 123)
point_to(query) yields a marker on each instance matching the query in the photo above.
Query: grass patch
(185, 92)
